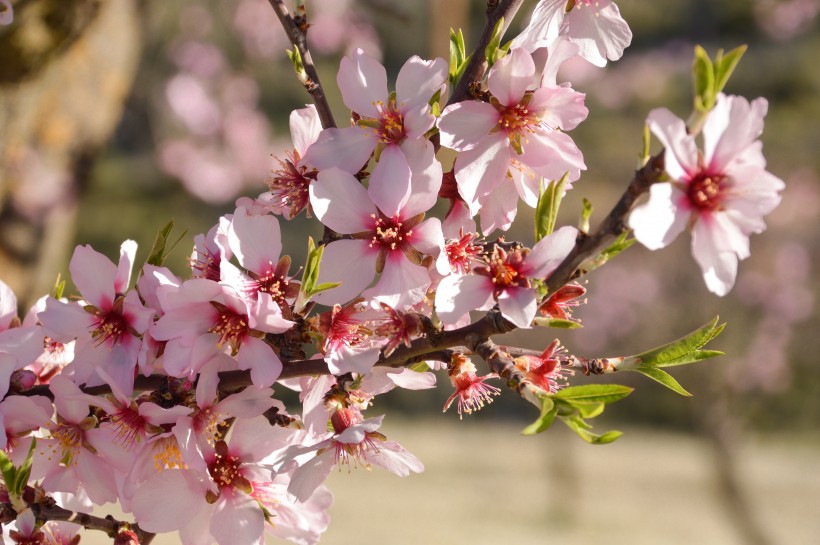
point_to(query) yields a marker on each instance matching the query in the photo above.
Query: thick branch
(478, 64)
(108, 525)
(297, 36)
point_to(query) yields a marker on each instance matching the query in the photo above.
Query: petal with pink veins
(518, 305)
(348, 148)
(551, 154)
(351, 262)
(418, 80)
(544, 26)
(310, 475)
(560, 107)
(256, 240)
(550, 251)
(395, 459)
(657, 222)
(511, 76)
(464, 124)
(681, 155)
(341, 202)
(238, 519)
(499, 208)
(390, 181)
(305, 127)
(94, 275)
(425, 180)
(457, 295)
(260, 358)
(480, 170)
(363, 82)
(402, 284)
(731, 127)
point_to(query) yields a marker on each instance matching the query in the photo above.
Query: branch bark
(109, 525)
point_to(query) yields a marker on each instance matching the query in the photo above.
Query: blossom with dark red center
(545, 371)
(397, 327)
(471, 391)
(462, 253)
(290, 185)
(558, 304)
(720, 194)
(348, 344)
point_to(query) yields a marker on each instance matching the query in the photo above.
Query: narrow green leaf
(324, 286)
(457, 54)
(680, 349)
(703, 80)
(621, 243)
(545, 420)
(646, 141)
(557, 323)
(491, 52)
(546, 211)
(158, 254)
(586, 213)
(8, 471)
(663, 377)
(692, 357)
(59, 287)
(590, 410)
(725, 65)
(593, 393)
(582, 430)
(24, 471)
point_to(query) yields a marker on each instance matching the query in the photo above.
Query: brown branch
(496, 9)
(45, 512)
(610, 228)
(297, 35)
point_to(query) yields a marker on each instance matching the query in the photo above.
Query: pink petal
(348, 148)
(8, 306)
(248, 403)
(395, 459)
(311, 475)
(560, 107)
(510, 77)
(681, 157)
(304, 128)
(518, 305)
(428, 239)
(94, 275)
(481, 169)
(260, 358)
(266, 315)
(390, 181)
(550, 251)
(499, 209)
(553, 153)
(661, 219)
(128, 251)
(457, 295)
(363, 82)
(256, 240)
(544, 26)
(731, 127)
(341, 203)
(600, 32)
(402, 284)
(418, 80)
(464, 124)
(238, 519)
(719, 266)
(351, 262)
(166, 501)
(426, 175)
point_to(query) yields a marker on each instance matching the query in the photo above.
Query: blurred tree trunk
(66, 69)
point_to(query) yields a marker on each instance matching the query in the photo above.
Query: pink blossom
(505, 279)
(545, 371)
(354, 440)
(381, 118)
(109, 326)
(517, 130)
(388, 234)
(721, 195)
(471, 390)
(596, 26)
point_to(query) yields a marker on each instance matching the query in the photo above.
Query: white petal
(457, 295)
(511, 76)
(363, 82)
(681, 157)
(661, 219)
(341, 203)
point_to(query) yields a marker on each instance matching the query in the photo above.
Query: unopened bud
(126, 536)
(22, 380)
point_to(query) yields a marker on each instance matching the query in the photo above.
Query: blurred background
(119, 115)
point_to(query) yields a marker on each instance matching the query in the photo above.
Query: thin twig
(109, 525)
(297, 36)
(478, 64)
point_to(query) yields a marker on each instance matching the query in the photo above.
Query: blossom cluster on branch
(159, 394)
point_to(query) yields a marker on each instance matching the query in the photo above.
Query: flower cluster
(190, 436)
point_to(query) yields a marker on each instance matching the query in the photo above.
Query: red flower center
(389, 233)
(705, 191)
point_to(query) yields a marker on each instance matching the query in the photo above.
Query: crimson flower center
(705, 191)
(505, 270)
(225, 470)
(390, 122)
(109, 327)
(229, 326)
(389, 233)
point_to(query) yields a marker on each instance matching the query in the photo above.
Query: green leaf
(663, 377)
(556, 323)
(590, 410)
(59, 287)
(324, 286)
(298, 66)
(703, 79)
(24, 471)
(582, 429)
(686, 349)
(586, 213)
(646, 141)
(621, 243)
(545, 420)
(157, 255)
(546, 211)
(8, 471)
(491, 52)
(593, 393)
(725, 65)
(457, 55)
